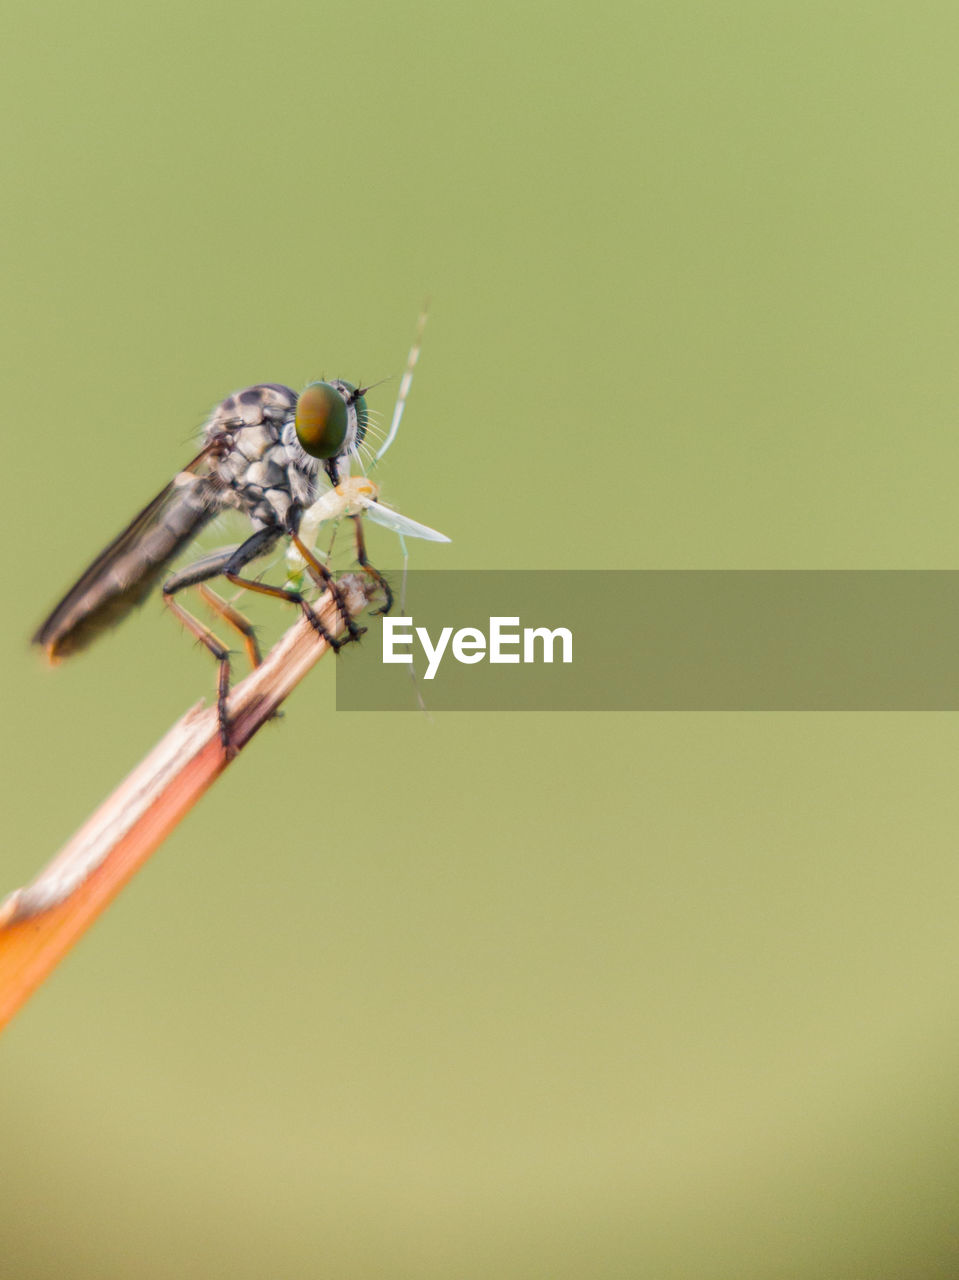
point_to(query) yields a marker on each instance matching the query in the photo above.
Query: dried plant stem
(39, 923)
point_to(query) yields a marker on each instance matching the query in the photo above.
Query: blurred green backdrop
(525, 996)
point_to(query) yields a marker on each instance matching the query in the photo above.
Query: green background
(514, 995)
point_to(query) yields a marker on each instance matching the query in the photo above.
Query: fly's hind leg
(195, 575)
(222, 655)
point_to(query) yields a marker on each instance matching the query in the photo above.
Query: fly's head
(331, 421)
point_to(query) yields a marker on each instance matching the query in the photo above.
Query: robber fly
(265, 453)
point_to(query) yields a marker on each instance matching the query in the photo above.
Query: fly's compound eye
(322, 420)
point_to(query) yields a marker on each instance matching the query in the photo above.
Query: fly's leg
(254, 547)
(222, 655)
(228, 564)
(195, 575)
(368, 568)
(236, 620)
(241, 624)
(326, 582)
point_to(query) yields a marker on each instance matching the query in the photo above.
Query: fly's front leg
(255, 546)
(368, 568)
(326, 582)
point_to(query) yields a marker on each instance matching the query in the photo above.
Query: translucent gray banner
(805, 640)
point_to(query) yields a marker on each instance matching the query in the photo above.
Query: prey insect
(355, 496)
(267, 453)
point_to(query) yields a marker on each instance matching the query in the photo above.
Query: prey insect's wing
(125, 572)
(402, 525)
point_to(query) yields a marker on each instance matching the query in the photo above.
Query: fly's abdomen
(124, 573)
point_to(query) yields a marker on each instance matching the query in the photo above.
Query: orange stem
(39, 923)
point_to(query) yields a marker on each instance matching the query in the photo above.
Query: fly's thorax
(259, 472)
(268, 403)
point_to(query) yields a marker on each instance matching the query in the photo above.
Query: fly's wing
(127, 570)
(402, 525)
